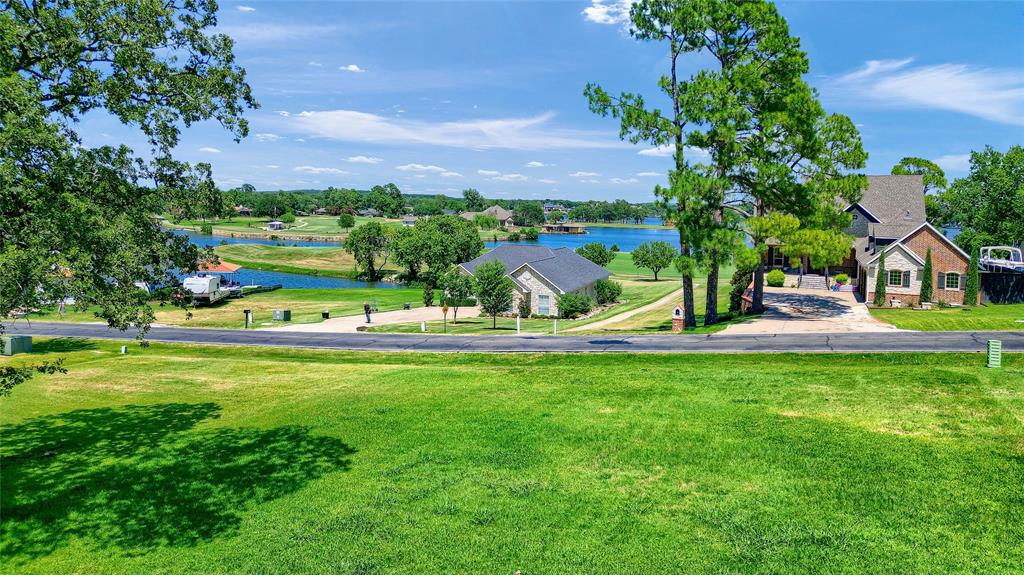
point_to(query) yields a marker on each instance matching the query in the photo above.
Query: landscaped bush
(776, 278)
(573, 305)
(607, 291)
(206, 229)
(524, 307)
(428, 295)
(531, 234)
(842, 279)
(512, 237)
(614, 249)
(287, 218)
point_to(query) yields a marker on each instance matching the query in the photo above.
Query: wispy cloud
(351, 68)
(443, 172)
(536, 164)
(620, 181)
(533, 133)
(315, 64)
(318, 170)
(242, 8)
(954, 162)
(649, 174)
(209, 150)
(266, 137)
(993, 94)
(547, 181)
(608, 12)
(501, 177)
(689, 153)
(272, 166)
(583, 174)
(364, 160)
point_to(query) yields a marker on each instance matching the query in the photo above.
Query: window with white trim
(952, 280)
(894, 278)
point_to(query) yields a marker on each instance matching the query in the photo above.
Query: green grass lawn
(982, 318)
(334, 262)
(623, 266)
(311, 225)
(306, 305)
(179, 459)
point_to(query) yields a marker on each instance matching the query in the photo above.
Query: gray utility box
(282, 315)
(16, 344)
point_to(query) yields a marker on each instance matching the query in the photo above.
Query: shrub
(739, 282)
(596, 252)
(512, 237)
(531, 234)
(428, 295)
(614, 249)
(607, 291)
(524, 307)
(287, 218)
(776, 278)
(206, 229)
(573, 305)
(842, 279)
(346, 221)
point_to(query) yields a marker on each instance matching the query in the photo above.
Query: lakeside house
(369, 213)
(549, 207)
(242, 210)
(503, 216)
(890, 217)
(563, 228)
(542, 275)
(408, 221)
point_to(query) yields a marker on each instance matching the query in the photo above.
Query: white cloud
(605, 12)
(363, 160)
(689, 153)
(591, 181)
(993, 94)
(583, 174)
(266, 137)
(511, 178)
(272, 166)
(649, 174)
(623, 181)
(209, 150)
(451, 175)
(351, 68)
(488, 173)
(318, 170)
(547, 181)
(315, 64)
(241, 8)
(536, 165)
(534, 133)
(420, 168)
(659, 152)
(954, 162)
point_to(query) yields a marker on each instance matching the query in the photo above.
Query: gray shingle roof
(564, 268)
(897, 200)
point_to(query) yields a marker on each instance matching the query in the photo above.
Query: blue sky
(440, 96)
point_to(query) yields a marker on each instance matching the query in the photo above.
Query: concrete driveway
(790, 310)
(350, 323)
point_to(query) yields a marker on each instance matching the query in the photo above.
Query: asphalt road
(715, 343)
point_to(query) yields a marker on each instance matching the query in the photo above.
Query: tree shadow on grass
(137, 477)
(62, 345)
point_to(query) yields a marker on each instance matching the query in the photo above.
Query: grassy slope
(182, 459)
(984, 318)
(334, 262)
(306, 305)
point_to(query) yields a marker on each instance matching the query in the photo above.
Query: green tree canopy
(933, 176)
(370, 244)
(528, 214)
(346, 221)
(988, 204)
(654, 256)
(494, 290)
(596, 252)
(474, 200)
(457, 287)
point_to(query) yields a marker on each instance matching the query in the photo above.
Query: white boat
(205, 288)
(1001, 259)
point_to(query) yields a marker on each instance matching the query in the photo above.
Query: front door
(544, 305)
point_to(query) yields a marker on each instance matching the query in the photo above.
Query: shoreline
(264, 235)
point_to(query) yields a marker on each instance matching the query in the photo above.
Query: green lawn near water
(188, 459)
(991, 317)
(306, 306)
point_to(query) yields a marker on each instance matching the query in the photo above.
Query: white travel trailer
(205, 288)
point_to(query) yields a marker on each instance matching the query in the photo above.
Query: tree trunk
(711, 303)
(494, 322)
(757, 303)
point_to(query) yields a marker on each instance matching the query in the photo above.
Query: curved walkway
(628, 314)
(714, 343)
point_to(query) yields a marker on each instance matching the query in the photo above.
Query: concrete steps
(810, 281)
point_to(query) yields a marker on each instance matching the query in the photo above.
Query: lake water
(625, 238)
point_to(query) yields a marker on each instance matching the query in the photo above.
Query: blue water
(625, 238)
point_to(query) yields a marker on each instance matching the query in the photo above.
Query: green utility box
(16, 344)
(995, 353)
(282, 315)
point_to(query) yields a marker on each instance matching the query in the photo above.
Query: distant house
(548, 208)
(542, 274)
(890, 217)
(369, 213)
(275, 225)
(448, 212)
(242, 210)
(564, 228)
(503, 216)
(409, 221)
(321, 211)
